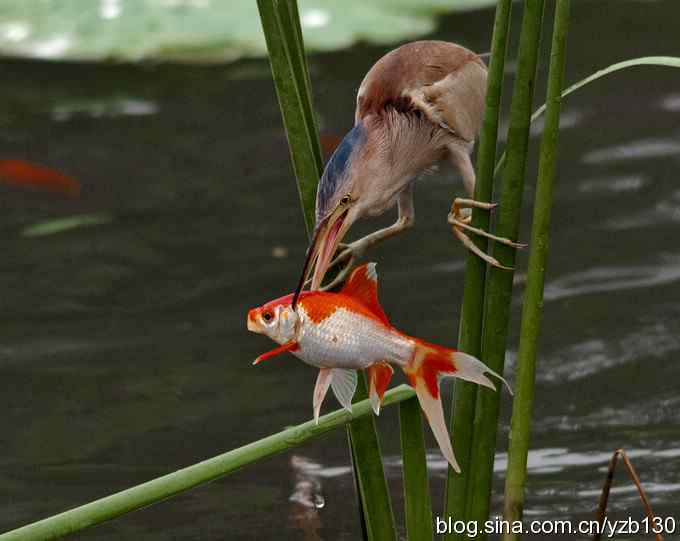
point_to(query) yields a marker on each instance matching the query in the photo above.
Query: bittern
(418, 104)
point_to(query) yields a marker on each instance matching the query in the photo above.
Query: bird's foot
(347, 256)
(461, 223)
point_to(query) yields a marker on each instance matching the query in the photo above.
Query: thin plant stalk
(498, 292)
(532, 308)
(417, 502)
(283, 34)
(643, 61)
(162, 488)
(470, 333)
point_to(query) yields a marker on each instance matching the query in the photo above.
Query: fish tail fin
(471, 369)
(424, 369)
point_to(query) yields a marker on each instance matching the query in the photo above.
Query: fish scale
(351, 341)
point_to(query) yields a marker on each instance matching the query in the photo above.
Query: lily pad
(201, 30)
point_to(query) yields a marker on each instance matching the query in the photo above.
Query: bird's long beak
(327, 242)
(327, 236)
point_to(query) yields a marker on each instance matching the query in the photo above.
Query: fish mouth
(251, 322)
(327, 236)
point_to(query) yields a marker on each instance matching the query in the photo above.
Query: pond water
(124, 353)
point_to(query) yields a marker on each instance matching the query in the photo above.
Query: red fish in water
(26, 174)
(347, 331)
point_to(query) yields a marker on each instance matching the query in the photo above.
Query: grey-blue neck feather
(335, 175)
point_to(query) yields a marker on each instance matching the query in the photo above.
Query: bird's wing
(445, 81)
(457, 101)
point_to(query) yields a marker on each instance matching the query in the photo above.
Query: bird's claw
(344, 251)
(461, 223)
(342, 275)
(349, 253)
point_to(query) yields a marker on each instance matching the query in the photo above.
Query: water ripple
(614, 278)
(628, 183)
(656, 340)
(650, 488)
(665, 211)
(634, 150)
(105, 108)
(671, 103)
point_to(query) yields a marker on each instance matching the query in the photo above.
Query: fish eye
(346, 199)
(267, 316)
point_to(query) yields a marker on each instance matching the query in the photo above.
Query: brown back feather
(445, 81)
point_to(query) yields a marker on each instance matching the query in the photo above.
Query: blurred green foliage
(201, 30)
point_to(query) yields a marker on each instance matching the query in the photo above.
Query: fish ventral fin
(362, 285)
(379, 376)
(344, 384)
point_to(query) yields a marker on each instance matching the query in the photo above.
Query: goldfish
(341, 333)
(32, 175)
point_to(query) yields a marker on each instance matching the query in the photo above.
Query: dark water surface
(124, 353)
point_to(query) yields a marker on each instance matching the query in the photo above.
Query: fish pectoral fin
(379, 376)
(344, 384)
(323, 381)
(288, 346)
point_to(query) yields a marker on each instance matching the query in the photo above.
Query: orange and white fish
(32, 175)
(343, 332)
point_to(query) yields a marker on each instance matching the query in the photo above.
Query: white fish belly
(349, 340)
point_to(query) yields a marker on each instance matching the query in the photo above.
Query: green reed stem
(417, 502)
(174, 483)
(520, 429)
(499, 282)
(470, 333)
(281, 25)
(377, 505)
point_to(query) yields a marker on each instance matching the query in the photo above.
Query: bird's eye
(346, 199)
(267, 316)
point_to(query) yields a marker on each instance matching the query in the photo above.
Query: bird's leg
(461, 221)
(351, 252)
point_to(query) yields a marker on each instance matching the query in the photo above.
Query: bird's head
(339, 204)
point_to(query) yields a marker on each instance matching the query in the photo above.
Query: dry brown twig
(604, 497)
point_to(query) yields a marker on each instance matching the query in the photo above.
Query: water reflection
(306, 498)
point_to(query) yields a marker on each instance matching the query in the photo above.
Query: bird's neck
(407, 144)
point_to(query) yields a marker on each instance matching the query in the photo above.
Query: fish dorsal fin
(344, 384)
(363, 286)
